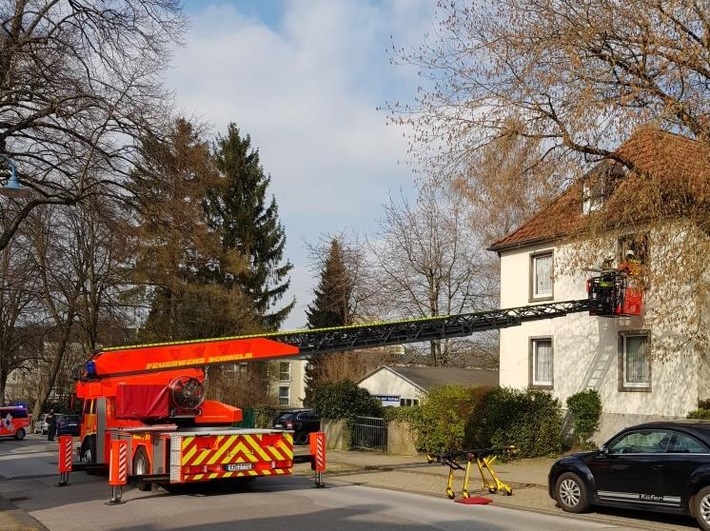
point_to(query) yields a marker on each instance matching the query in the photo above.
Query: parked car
(657, 466)
(68, 425)
(41, 425)
(302, 422)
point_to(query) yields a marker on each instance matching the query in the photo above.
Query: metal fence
(370, 434)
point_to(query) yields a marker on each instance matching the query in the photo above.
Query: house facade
(629, 359)
(407, 385)
(289, 382)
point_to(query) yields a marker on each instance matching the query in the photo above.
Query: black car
(657, 466)
(302, 422)
(68, 425)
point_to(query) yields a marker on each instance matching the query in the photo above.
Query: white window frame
(641, 379)
(539, 288)
(536, 379)
(284, 371)
(284, 395)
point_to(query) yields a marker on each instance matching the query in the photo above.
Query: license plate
(236, 467)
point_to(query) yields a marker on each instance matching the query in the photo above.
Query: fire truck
(152, 396)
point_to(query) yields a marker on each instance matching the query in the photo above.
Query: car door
(684, 455)
(630, 469)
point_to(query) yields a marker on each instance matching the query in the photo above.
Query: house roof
(426, 378)
(672, 169)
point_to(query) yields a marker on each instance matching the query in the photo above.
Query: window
(284, 395)
(408, 402)
(592, 195)
(641, 442)
(541, 368)
(638, 243)
(635, 362)
(284, 371)
(599, 184)
(541, 268)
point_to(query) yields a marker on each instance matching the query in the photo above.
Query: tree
(333, 303)
(429, 264)
(341, 293)
(586, 81)
(78, 81)
(237, 210)
(581, 75)
(19, 293)
(177, 249)
(331, 307)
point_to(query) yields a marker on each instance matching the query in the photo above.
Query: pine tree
(332, 303)
(332, 306)
(176, 245)
(237, 210)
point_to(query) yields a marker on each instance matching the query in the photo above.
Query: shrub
(586, 410)
(264, 416)
(441, 424)
(344, 400)
(699, 414)
(405, 414)
(529, 420)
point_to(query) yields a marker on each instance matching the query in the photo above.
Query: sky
(305, 78)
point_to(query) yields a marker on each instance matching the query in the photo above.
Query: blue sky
(304, 78)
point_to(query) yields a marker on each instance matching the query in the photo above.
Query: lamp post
(13, 188)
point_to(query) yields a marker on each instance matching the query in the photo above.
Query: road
(29, 477)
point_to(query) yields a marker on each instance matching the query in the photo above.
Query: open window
(637, 244)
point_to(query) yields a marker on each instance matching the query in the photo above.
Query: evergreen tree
(176, 245)
(333, 297)
(332, 306)
(237, 210)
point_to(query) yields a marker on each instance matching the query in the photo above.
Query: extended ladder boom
(141, 359)
(354, 337)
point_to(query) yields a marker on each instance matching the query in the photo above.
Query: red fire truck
(152, 396)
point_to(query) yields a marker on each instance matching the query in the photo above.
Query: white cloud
(307, 91)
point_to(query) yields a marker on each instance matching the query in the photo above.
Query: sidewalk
(527, 478)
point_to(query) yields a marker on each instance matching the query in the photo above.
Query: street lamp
(13, 188)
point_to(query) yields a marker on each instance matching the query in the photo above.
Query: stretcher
(465, 460)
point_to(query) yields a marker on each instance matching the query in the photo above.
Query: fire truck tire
(20, 434)
(88, 453)
(141, 468)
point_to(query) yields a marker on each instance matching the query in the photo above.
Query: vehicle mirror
(603, 449)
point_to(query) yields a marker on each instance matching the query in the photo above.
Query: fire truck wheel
(20, 434)
(88, 449)
(140, 468)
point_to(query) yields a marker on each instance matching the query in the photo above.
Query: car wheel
(301, 437)
(140, 468)
(701, 508)
(20, 434)
(571, 493)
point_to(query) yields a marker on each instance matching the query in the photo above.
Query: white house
(289, 383)
(619, 356)
(407, 385)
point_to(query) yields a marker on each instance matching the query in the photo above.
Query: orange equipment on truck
(153, 398)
